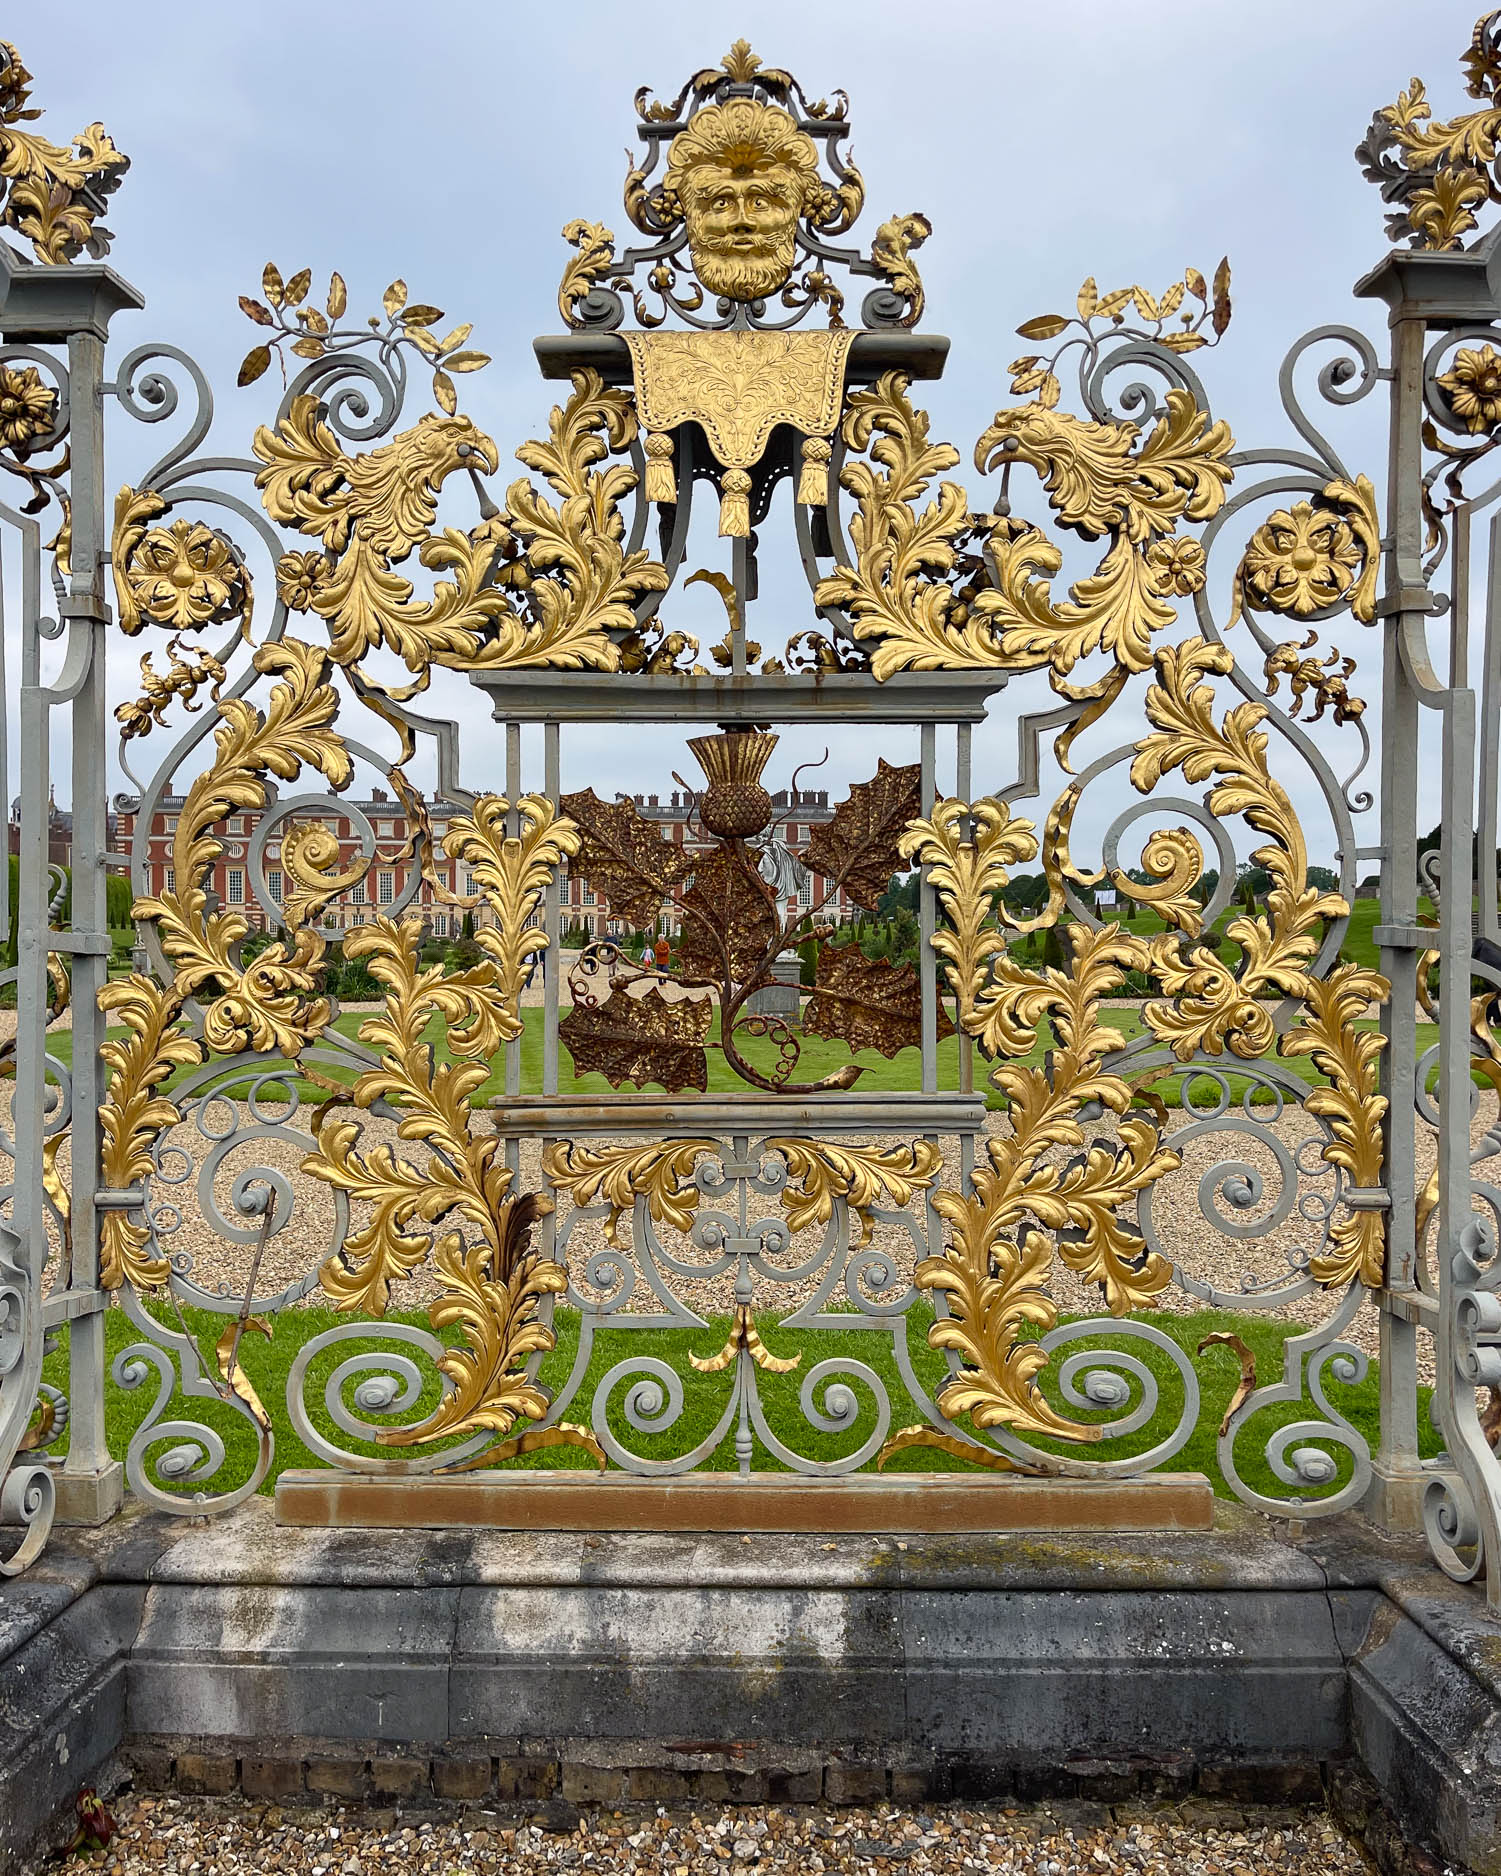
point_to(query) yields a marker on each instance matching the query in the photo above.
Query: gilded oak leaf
(623, 855)
(729, 919)
(858, 847)
(868, 1003)
(641, 1039)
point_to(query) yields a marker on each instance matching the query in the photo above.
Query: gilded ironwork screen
(727, 1125)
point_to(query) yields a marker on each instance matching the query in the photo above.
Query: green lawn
(705, 1396)
(819, 1058)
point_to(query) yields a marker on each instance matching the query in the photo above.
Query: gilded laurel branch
(298, 327)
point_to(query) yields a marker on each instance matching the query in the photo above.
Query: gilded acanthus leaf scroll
(134, 1116)
(618, 1173)
(912, 579)
(512, 872)
(862, 1176)
(496, 1278)
(536, 585)
(272, 1001)
(1103, 479)
(54, 196)
(994, 1269)
(1436, 174)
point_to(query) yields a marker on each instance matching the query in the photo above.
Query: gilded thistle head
(735, 805)
(741, 175)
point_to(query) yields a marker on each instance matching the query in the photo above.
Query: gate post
(1453, 295)
(91, 1486)
(69, 305)
(1395, 1499)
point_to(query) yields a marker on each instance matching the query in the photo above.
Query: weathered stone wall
(549, 1670)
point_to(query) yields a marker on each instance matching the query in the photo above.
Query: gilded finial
(56, 195)
(740, 63)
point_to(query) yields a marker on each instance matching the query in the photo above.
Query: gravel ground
(172, 1837)
(1228, 1262)
(1256, 1251)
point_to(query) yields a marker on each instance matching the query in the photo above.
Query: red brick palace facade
(388, 876)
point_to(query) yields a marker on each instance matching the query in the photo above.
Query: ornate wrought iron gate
(1235, 1058)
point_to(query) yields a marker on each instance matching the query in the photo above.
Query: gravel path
(1266, 1223)
(1230, 1262)
(172, 1837)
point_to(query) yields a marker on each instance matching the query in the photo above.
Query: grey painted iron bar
(28, 1214)
(927, 920)
(4, 741)
(1463, 1435)
(963, 783)
(1395, 1501)
(552, 959)
(88, 1449)
(1490, 742)
(740, 562)
(513, 827)
(757, 697)
(832, 1116)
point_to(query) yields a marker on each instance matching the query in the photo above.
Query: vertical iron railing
(1442, 1263)
(44, 1285)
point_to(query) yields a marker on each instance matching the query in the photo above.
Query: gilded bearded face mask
(742, 175)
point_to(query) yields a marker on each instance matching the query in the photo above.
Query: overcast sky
(449, 143)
